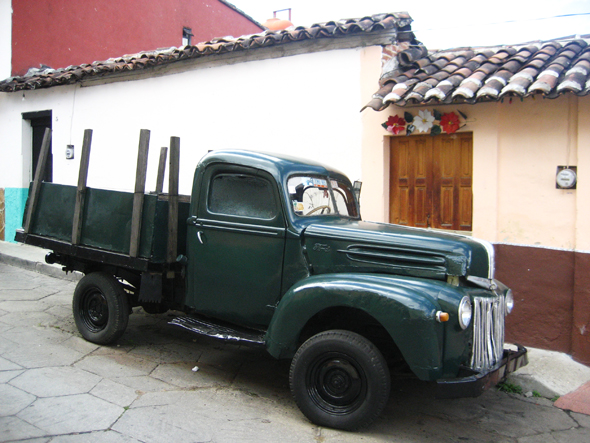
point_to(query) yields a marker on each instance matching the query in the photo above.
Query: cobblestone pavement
(162, 384)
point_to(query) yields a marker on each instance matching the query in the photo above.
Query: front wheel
(340, 380)
(101, 308)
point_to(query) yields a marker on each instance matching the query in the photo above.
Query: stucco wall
(516, 148)
(305, 105)
(582, 228)
(375, 152)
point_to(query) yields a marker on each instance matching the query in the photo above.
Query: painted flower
(450, 122)
(395, 124)
(424, 121)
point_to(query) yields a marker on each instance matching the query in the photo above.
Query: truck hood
(358, 246)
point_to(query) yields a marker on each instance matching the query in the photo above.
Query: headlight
(465, 312)
(509, 300)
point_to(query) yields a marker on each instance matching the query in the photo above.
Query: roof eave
(368, 31)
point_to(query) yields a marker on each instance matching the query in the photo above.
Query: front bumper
(472, 383)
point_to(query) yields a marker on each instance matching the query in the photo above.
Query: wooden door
(430, 180)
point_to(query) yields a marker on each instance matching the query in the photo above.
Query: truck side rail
(89, 254)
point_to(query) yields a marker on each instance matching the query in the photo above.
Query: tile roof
(397, 23)
(470, 75)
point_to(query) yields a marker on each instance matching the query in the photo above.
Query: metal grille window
(488, 332)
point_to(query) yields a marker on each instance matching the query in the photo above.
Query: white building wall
(305, 105)
(5, 38)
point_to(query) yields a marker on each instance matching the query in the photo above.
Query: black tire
(101, 308)
(340, 380)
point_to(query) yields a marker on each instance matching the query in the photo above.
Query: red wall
(60, 33)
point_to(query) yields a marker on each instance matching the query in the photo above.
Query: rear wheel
(101, 308)
(340, 380)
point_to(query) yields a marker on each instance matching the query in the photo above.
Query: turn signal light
(442, 316)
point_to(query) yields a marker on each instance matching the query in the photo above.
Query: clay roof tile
(335, 29)
(459, 75)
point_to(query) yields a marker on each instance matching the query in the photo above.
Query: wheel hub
(94, 311)
(337, 385)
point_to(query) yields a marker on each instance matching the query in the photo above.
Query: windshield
(319, 195)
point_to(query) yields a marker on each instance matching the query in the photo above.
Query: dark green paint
(235, 263)
(358, 246)
(406, 307)
(106, 220)
(406, 314)
(277, 272)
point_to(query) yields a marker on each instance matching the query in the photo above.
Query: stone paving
(161, 384)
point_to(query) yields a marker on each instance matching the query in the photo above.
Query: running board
(203, 327)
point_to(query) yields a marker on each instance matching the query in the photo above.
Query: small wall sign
(566, 177)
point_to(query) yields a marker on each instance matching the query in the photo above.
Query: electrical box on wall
(70, 152)
(566, 177)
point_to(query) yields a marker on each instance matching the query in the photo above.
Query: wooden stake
(138, 196)
(173, 199)
(41, 164)
(161, 170)
(81, 191)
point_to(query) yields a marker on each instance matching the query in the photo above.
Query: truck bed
(106, 225)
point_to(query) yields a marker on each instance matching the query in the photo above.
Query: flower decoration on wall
(450, 122)
(395, 124)
(426, 121)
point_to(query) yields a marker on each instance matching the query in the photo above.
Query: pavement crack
(569, 413)
(125, 409)
(48, 295)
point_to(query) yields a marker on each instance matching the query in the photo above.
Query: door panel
(239, 270)
(431, 179)
(236, 247)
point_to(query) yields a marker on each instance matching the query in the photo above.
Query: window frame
(331, 190)
(213, 171)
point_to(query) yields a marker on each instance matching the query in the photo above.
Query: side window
(242, 195)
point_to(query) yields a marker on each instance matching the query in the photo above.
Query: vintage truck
(272, 251)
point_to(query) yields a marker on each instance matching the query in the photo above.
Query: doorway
(431, 181)
(39, 121)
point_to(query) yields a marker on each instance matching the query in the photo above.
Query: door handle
(200, 237)
(428, 221)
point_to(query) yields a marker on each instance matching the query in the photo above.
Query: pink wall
(60, 33)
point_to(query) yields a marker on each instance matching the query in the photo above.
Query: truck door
(235, 246)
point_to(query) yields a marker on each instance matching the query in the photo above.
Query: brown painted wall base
(552, 298)
(581, 326)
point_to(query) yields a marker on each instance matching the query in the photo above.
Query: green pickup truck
(271, 251)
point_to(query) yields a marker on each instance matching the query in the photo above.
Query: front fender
(408, 314)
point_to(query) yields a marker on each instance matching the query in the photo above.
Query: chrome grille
(488, 332)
